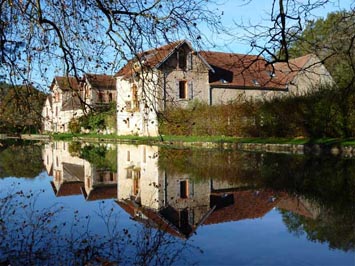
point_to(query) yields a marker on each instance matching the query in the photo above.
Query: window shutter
(191, 90)
(177, 90)
(191, 189)
(189, 61)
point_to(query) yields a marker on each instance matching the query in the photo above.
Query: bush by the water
(325, 112)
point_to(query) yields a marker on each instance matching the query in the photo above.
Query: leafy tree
(20, 108)
(20, 160)
(100, 156)
(333, 40)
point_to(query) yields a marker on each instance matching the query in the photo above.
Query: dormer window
(182, 59)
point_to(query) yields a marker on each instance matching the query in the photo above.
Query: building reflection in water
(176, 203)
(73, 175)
(163, 199)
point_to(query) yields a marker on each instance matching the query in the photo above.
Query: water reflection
(179, 190)
(75, 175)
(179, 203)
(180, 193)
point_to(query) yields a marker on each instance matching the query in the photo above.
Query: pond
(71, 203)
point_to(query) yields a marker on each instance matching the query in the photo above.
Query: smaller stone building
(70, 98)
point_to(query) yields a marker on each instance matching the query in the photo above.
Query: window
(110, 97)
(56, 111)
(56, 97)
(101, 177)
(100, 97)
(87, 92)
(182, 59)
(128, 156)
(134, 97)
(182, 89)
(128, 106)
(129, 173)
(136, 180)
(57, 175)
(184, 189)
(144, 154)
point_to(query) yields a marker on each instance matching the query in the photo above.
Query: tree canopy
(20, 108)
(75, 37)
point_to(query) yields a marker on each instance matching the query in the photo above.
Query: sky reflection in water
(210, 207)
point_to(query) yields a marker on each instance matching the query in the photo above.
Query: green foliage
(201, 119)
(319, 114)
(74, 125)
(100, 156)
(20, 109)
(330, 39)
(316, 115)
(20, 159)
(325, 185)
(98, 120)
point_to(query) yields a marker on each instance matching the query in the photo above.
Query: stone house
(62, 104)
(176, 75)
(99, 89)
(70, 98)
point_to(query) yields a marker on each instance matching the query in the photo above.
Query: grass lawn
(215, 139)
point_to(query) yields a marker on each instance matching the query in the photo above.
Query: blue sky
(257, 12)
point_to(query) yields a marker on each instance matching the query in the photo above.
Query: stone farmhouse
(176, 74)
(69, 98)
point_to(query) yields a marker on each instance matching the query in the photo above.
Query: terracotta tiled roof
(66, 83)
(67, 189)
(285, 72)
(295, 205)
(240, 71)
(101, 192)
(230, 70)
(101, 82)
(150, 58)
(247, 204)
(155, 219)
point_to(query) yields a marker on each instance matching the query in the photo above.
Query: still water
(82, 204)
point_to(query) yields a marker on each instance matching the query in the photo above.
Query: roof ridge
(229, 53)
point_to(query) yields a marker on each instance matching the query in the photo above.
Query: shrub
(74, 125)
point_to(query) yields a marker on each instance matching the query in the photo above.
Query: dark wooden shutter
(177, 88)
(189, 61)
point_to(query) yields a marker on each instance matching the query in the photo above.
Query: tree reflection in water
(315, 194)
(40, 236)
(170, 193)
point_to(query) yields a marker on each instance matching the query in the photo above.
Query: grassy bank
(213, 139)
